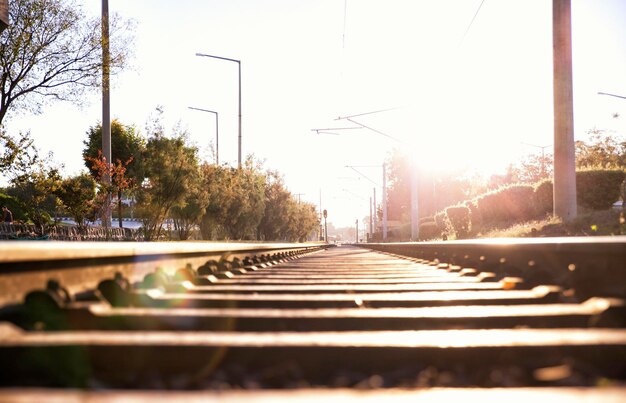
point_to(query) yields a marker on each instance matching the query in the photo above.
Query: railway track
(516, 320)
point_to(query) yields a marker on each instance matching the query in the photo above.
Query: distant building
(4, 14)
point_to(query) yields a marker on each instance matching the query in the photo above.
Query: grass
(588, 223)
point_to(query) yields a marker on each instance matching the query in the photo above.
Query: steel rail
(78, 266)
(593, 266)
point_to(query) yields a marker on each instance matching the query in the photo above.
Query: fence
(67, 233)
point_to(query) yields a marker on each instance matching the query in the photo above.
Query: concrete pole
(564, 150)
(106, 108)
(375, 211)
(357, 231)
(371, 220)
(414, 204)
(384, 203)
(239, 139)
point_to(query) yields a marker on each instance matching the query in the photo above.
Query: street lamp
(217, 133)
(239, 65)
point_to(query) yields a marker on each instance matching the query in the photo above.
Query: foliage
(78, 195)
(170, 166)
(441, 220)
(535, 167)
(111, 178)
(278, 200)
(284, 218)
(429, 230)
(598, 189)
(601, 151)
(303, 220)
(35, 189)
(434, 190)
(126, 145)
(188, 215)
(506, 205)
(14, 205)
(543, 197)
(459, 218)
(17, 152)
(51, 50)
(475, 217)
(236, 201)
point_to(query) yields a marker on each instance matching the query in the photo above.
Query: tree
(601, 151)
(52, 51)
(127, 145)
(118, 181)
(190, 212)
(169, 166)
(17, 153)
(36, 190)
(237, 200)
(274, 224)
(78, 195)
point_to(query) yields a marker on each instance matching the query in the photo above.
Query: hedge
(15, 206)
(543, 198)
(598, 189)
(506, 205)
(459, 218)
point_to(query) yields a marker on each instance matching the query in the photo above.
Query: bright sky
(466, 102)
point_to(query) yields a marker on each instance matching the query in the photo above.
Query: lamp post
(239, 65)
(217, 133)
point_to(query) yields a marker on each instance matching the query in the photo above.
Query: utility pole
(384, 203)
(320, 216)
(414, 206)
(375, 212)
(564, 150)
(371, 227)
(106, 109)
(357, 230)
(325, 227)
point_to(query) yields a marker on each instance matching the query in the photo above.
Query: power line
(471, 22)
(345, 16)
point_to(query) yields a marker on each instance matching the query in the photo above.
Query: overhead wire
(471, 22)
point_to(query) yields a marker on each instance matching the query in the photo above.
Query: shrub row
(597, 189)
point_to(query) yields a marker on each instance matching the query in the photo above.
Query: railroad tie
(315, 322)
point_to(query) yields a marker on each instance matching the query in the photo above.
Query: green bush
(442, 222)
(543, 199)
(14, 205)
(476, 220)
(506, 205)
(598, 189)
(459, 218)
(429, 230)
